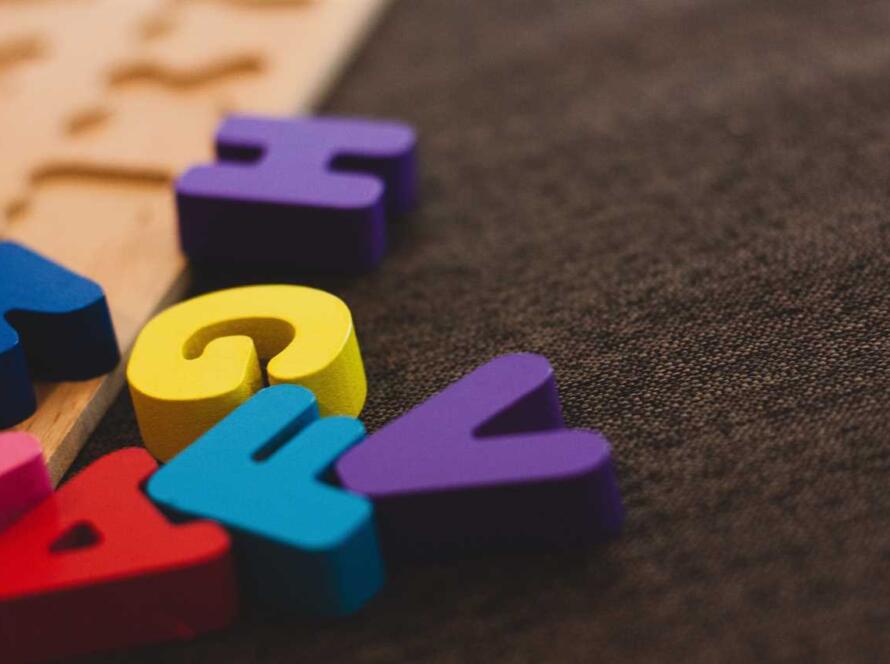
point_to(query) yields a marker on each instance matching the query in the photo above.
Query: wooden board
(102, 104)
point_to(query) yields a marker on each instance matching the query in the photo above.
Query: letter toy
(310, 193)
(301, 543)
(24, 481)
(98, 566)
(486, 462)
(54, 325)
(197, 361)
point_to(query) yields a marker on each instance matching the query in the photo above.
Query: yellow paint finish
(197, 361)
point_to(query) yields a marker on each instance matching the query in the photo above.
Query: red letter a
(97, 566)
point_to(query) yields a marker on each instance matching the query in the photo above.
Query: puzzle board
(102, 104)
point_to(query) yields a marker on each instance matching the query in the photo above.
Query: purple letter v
(486, 462)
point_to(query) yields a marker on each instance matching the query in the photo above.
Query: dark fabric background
(683, 204)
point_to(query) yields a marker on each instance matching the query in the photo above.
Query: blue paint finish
(54, 325)
(300, 543)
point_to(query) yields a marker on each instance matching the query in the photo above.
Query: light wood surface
(102, 104)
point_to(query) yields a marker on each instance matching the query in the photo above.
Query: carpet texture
(683, 205)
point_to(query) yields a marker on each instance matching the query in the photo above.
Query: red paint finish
(97, 566)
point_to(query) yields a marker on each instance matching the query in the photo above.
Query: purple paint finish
(309, 193)
(486, 463)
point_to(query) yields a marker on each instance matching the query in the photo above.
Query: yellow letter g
(197, 361)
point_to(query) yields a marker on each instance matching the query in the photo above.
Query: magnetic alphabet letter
(54, 325)
(301, 543)
(311, 193)
(197, 361)
(486, 462)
